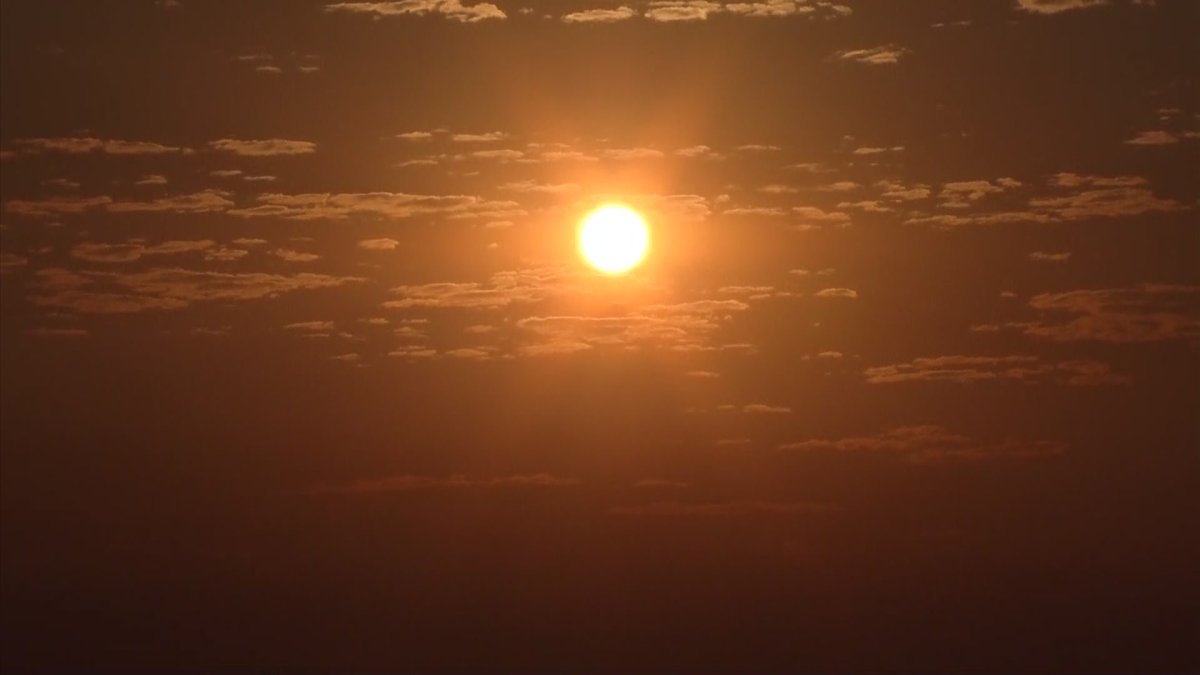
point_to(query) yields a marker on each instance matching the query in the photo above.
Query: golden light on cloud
(614, 239)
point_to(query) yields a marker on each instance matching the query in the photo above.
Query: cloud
(55, 206)
(290, 255)
(720, 509)
(410, 482)
(382, 244)
(310, 326)
(599, 15)
(1090, 197)
(454, 10)
(837, 293)
(631, 153)
(698, 151)
(1104, 203)
(263, 148)
(673, 11)
(415, 135)
(11, 261)
(198, 202)
(755, 211)
(667, 11)
(682, 327)
(505, 288)
(810, 215)
(1158, 137)
(133, 251)
(541, 188)
(930, 444)
(152, 179)
(1056, 6)
(874, 150)
(1066, 179)
(765, 409)
(393, 205)
(883, 54)
(962, 194)
(1041, 256)
(78, 145)
(204, 201)
(963, 369)
(488, 137)
(164, 288)
(1145, 313)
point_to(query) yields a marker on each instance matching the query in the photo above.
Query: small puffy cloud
(1056, 6)
(600, 15)
(1042, 256)
(765, 409)
(455, 10)
(541, 188)
(415, 135)
(391, 205)
(837, 293)
(668, 11)
(1104, 202)
(964, 369)
(876, 150)
(504, 288)
(1145, 313)
(263, 148)
(61, 183)
(78, 145)
(294, 256)
(811, 215)
(840, 186)
(930, 444)
(310, 326)
(631, 153)
(133, 251)
(380, 244)
(488, 137)
(1067, 179)
(204, 201)
(758, 147)
(11, 261)
(697, 151)
(883, 54)
(505, 155)
(164, 288)
(683, 327)
(152, 179)
(1159, 137)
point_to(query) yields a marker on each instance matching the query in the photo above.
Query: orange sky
(301, 366)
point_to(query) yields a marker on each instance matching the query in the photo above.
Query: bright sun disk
(614, 239)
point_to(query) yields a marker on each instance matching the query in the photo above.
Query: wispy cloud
(930, 444)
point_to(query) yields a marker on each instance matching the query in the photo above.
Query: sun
(614, 239)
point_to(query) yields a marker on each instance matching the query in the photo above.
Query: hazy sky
(301, 366)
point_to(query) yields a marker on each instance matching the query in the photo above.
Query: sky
(302, 367)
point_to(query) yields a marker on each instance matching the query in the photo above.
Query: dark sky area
(302, 369)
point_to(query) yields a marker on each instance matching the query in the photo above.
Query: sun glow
(614, 239)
